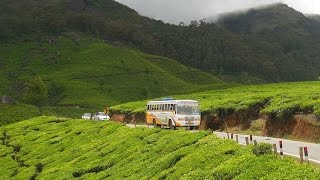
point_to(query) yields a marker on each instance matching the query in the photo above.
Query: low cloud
(175, 11)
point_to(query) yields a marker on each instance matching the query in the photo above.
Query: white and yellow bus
(173, 113)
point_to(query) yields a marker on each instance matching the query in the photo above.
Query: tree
(36, 93)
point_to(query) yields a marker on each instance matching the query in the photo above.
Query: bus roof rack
(167, 99)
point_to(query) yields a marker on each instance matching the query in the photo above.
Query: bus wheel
(155, 125)
(171, 125)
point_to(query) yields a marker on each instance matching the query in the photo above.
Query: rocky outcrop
(129, 118)
(7, 100)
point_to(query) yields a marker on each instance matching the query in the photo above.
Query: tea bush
(60, 148)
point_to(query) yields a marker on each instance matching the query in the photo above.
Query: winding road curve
(290, 147)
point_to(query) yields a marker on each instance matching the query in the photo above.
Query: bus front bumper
(188, 123)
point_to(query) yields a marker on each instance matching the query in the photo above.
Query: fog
(175, 11)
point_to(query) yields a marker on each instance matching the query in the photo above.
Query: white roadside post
(306, 154)
(275, 148)
(301, 154)
(247, 141)
(281, 149)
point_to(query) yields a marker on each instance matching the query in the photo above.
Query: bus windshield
(188, 110)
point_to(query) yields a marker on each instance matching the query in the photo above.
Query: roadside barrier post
(301, 154)
(247, 141)
(237, 139)
(255, 142)
(275, 148)
(306, 154)
(135, 123)
(281, 149)
(250, 139)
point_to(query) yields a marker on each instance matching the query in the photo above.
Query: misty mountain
(314, 17)
(296, 36)
(276, 43)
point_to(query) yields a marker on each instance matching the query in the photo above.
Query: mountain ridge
(213, 48)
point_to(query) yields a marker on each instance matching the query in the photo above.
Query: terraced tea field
(275, 100)
(56, 148)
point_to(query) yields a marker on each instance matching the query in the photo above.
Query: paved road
(289, 147)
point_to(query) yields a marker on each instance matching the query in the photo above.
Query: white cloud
(175, 11)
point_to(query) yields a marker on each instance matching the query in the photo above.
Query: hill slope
(296, 36)
(215, 48)
(277, 100)
(92, 73)
(51, 148)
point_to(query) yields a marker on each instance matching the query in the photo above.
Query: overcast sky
(175, 11)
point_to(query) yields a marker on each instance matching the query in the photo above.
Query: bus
(173, 113)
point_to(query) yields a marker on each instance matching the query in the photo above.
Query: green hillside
(278, 101)
(14, 113)
(275, 44)
(93, 74)
(294, 37)
(55, 148)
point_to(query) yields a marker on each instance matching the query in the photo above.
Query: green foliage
(72, 112)
(36, 92)
(274, 43)
(279, 101)
(91, 73)
(14, 113)
(51, 148)
(262, 149)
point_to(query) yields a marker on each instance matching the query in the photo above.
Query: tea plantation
(84, 74)
(277, 100)
(57, 148)
(92, 73)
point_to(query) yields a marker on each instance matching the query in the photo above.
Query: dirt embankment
(299, 126)
(129, 118)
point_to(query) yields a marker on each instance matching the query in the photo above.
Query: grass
(50, 148)
(276, 100)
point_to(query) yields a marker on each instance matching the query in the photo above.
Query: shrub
(262, 149)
